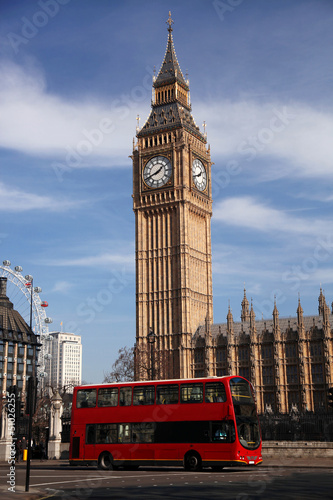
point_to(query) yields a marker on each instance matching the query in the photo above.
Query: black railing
(297, 427)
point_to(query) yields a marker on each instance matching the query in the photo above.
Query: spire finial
(169, 22)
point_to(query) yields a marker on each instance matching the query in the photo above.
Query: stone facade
(18, 347)
(289, 361)
(173, 229)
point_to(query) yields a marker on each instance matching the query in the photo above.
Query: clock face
(157, 172)
(199, 174)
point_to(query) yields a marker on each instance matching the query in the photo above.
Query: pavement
(35, 494)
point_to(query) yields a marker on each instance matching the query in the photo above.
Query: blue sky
(74, 75)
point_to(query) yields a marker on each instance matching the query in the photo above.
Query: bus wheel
(192, 461)
(105, 461)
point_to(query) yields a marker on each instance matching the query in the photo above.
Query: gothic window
(292, 374)
(293, 399)
(244, 372)
(199, 356)
(291, 351)
(315, 349)
(318, 399)
(267, 375)
(221, 372)
(269, 400)
(266, 351)
(317, 373)
(221, 355)
(243, 353)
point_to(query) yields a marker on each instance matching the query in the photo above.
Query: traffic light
(330, 397)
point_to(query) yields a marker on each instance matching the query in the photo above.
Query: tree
(122, 369)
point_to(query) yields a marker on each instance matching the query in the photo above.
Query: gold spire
(169, 22)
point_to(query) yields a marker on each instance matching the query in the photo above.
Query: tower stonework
(173, 208)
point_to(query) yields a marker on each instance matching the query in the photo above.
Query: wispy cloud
(17, 200)
(91, 261)
(249, 213)
(62, 286)
(294, 133)
(37, 122)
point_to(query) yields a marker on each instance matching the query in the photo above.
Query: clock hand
(198, 175)
(152, 175)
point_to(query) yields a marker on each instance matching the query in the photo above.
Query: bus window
(245, 411)
(106, 433)
(223, 432)
(143, 432)
(191, 393)
(125, 396)
(241, 391)
(215, 392)
(143, 395)
(108, 396)
(167, 394)
(86, 398)
(124, 433)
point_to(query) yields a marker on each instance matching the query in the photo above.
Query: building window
(318, 399)
(317, 373)
(293, 399)
(315, 349)
(292, 374)
(243, 353)
(221, 355)
(291, 351)
(269, 400)
(221, 372)
(266, 351)
(199, 356)
(267, 375)
(244, 372)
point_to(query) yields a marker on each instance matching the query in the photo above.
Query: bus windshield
(245, 410)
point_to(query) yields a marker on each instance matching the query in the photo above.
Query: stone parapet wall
(297, 449)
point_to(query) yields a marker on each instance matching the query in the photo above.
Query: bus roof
(146, 382)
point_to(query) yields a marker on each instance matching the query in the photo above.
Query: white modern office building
(65, 364)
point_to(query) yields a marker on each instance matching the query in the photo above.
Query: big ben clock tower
(173, 208)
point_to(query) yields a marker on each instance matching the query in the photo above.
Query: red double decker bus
(204, 422)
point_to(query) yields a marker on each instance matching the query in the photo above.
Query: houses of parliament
(289, 361)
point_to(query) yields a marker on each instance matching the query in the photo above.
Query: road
(287, 481)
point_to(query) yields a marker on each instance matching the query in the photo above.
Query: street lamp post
(151, 340)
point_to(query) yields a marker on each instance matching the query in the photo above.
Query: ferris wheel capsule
(6, 263)
(44, 303)
(37, 289)
(48, 320)
(18, 269)
(28, 277)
